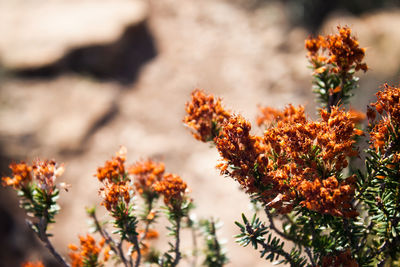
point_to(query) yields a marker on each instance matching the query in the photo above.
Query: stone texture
(36, 33)
(56, 114)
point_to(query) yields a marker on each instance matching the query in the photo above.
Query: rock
(37, 33)
(56, 120)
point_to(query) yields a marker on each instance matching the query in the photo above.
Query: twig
(282, 234)
(116, 249)
(273, 227)
(309, 254)
(134, 240)
(130, 256)
(280, 252)
(148, 222)
(177, 242)
(42, 235)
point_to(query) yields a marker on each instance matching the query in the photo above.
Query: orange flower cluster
(21, 175)
(341, 259)
(113, 169)
(309, 156)
(205, 115)
(45, 173)
(297, 161)
(88, 252)
(116, 183)
(343, 52)
(173, 188)
(146, 173)
(271, 115)
(387, 105)
(150, 235)
(114, 193)
(31, 264)
(241, 149)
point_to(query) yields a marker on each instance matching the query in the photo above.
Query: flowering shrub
(299, 173)
(298, 170)
(133, 219)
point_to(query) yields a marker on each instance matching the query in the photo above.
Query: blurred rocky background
(79, 78)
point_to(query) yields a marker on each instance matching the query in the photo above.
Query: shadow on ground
(120, 61)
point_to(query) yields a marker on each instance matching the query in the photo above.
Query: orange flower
(388, 106)
(115, 193)
(106, 253)
(45, 173)
(290, 164)
(342, 53)
(173, 188)
(88, 252)
(21, 175)
(242, 150)
(205, 115)
(146, 173)
(113, 169)
(271, 115)
(150, 235)
(296, 161)
(116, 188)
(31, 264)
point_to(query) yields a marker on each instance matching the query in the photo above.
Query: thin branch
(282, 234)
(42, 235)
(214, 234)
(177, 242)
(116, 249)
(280, 252)
(273, 227)
(309, 254)
(129, 254)
(134, 240)
(148, 222)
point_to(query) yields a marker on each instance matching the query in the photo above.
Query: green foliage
(38, 203)
(214, 254)
(255, 232)
(325, 83)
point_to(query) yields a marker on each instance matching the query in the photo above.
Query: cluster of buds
(335, 59)
(268, 116)
(336, 53)
(173, 189)
(116, 188)
(36, 184)
(41, 173)
(385, 132)
(205, 114)
(146, 173)
(21, 175)
(87, 254)
(296, 162)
